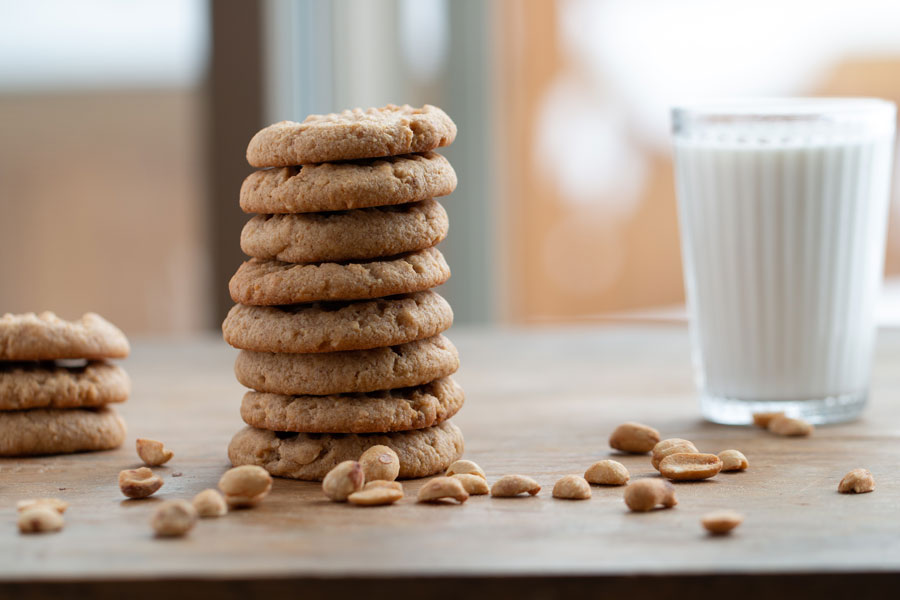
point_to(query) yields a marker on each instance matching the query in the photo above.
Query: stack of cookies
(56, 384)
(339, 331)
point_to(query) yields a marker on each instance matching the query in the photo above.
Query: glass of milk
(783, 209)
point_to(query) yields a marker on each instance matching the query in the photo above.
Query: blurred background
(123, 126)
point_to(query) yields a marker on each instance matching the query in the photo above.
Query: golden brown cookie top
(45, 336)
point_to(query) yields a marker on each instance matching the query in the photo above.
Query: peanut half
(473, 484)
(646, 494)
(721, 522)
(245, 486)
(857, 481)
(440, 488)
(380, 462)
(209, 503)
(394, 485)
(635, 438)
(152, 452)
(572, 487)
(173, 518)
(56, 504)
(513, 485)
(782, 425)
(690, 467)
(465, 467)
(375, 496)
(40, 518)
(671, 446)
(607, 472)
(733, 460)
(139, 483)
(762, 419)
(347, 477)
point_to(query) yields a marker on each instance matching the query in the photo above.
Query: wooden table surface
(539, 402)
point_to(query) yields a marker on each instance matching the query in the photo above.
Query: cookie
(373, 412)
(348, 185)
(352, 134)
(331, 327)
(48, 385)
(58, 431)
(306, 456)
(47, 337)
(349, 235)
(271, 282)
(352, 371)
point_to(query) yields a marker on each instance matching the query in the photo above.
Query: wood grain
(541, 403)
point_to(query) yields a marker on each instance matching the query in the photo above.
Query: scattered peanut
(393, 485)
(607, 472)
(245, 486)
(690, 467)
(671, 446)
(346, 478)
(733, 460)
(763, 419)
(645, 494)
(857, 481)
(40, 518)
(209, 503)
(635, 438)
(380, 462)
(721, 522)
(153, 453)
(462, 467)
(139, 483)
(473, 484)
(782, 425)
(572, 487)
(442, 487)
(173, 518)
(513, 485)
(375, 496)
(56, 504)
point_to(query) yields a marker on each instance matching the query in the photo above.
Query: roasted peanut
(607, 472)
(375, 496)
(635, 438)
(209, 503)
(440, 488)
(733, 460)
(513, 485)
(139, 483)
(762, 419)
(475, 485)
(671, 446)
(153, 453)
(380, 462)
(645, 494)
(40, 518)
(173, 518)
(690, 467)
(461, 467)
(346, 478)
(572, 487)
(721, 521)
(394, 485)
(857, 481)
(782, 425)
(245, 486)
(56, 504)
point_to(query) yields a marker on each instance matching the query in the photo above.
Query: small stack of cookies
(56, 384)
(339, 331)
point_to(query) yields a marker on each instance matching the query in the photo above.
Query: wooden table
(541, 403)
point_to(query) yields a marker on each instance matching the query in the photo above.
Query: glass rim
(784, 109)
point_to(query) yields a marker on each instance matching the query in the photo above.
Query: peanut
(733, 460)
(762, 419)
(245, 486)
(473, 484)
(153, 453)
(40, 518)
(607, 472)
(671, 446)
(139, 483)
(380, 462)
(375, 496)
(572, 487)
(173, 518)
(209, 503)
(461, 467)
(442, 487)
(56, 504)
(394, 485)
(857, 481)
(635, 438)
(645, 494)
(346, 478)
(782, 425)
(513, 485)
(721, 522)
(690, 467)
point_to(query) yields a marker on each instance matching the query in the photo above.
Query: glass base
(818, 411)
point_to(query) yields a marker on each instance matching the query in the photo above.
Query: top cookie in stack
(339, 330)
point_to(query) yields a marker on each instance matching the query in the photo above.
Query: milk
(783, 228)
